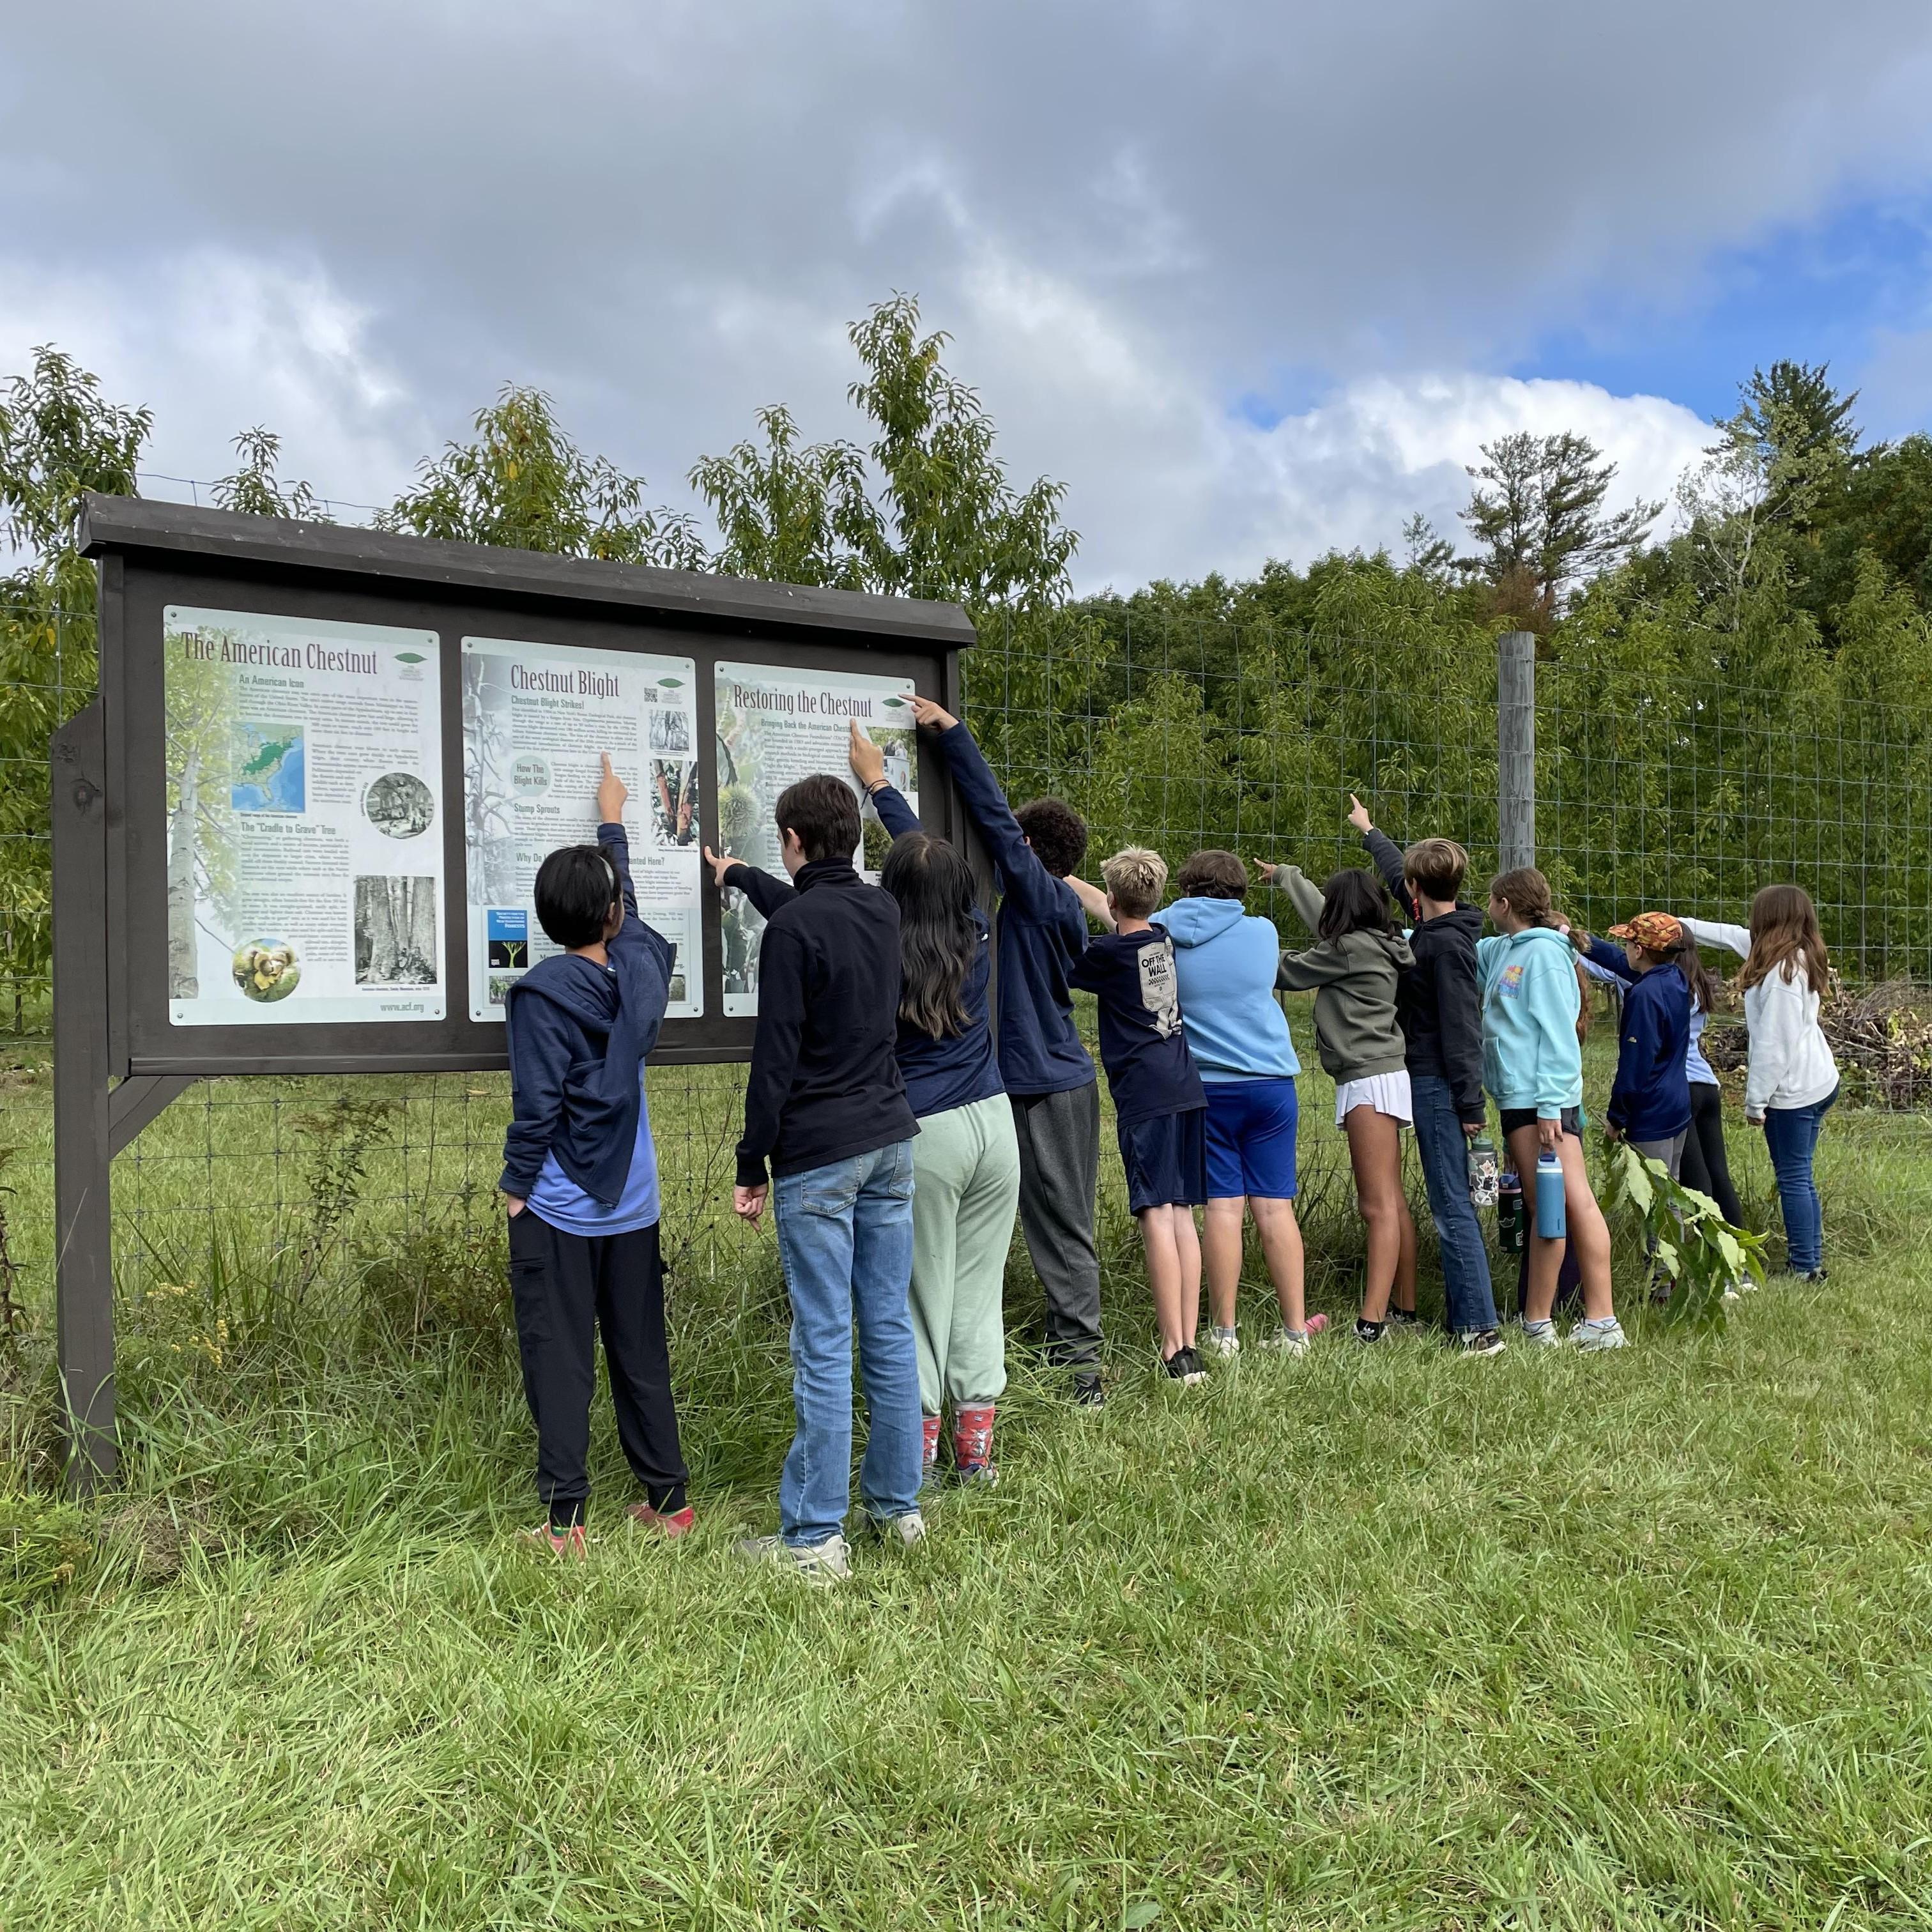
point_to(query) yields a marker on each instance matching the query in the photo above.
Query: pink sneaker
(668, 1524)
(972, 1443)
(567, 1545)
(1315, 1324)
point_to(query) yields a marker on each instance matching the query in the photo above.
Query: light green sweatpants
(966, 1190)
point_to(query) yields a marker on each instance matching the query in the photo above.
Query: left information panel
(305, 781)
(536, 719)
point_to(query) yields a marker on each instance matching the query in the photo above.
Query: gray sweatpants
(1671, 1153)
(1060, 1170)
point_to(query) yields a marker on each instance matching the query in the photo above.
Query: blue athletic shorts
(1166, 1160)
(1251, 1127)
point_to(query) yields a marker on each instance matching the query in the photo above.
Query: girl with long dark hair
(1353, 967)
(1793, 1078)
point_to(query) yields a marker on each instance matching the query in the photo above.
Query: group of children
(896, 1134)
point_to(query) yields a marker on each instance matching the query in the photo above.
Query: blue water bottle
(1550, 1224)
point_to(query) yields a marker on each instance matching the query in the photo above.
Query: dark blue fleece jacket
(1650, 1098)
(578, 1032)
(1041, 930)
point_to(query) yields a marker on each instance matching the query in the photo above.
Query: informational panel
(776, 724)
(536, 719)
(305, 836)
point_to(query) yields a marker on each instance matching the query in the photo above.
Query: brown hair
(1437, 866)
(1785, 938)
(1526, 892)
(1705, 989)
(1056, 831)
(1136, 877)
(1212, 875)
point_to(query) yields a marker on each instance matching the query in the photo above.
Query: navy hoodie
(577, 1033)
(1041, 931)
(1650, 1098)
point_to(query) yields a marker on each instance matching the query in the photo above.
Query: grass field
(1390, 1639)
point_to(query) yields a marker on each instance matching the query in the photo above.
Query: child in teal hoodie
(1533, 1067)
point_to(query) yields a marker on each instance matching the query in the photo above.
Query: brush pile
(1881, 1037)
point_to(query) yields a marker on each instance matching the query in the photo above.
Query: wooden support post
(83, 1150)
(1516, 750)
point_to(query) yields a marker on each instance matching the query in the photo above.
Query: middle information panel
(536, 719)
(775, 724)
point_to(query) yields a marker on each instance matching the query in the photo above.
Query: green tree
(936, 515)
(1538, 513)
(523, 483)
(59, 436)
(254, 490)
(788, 514)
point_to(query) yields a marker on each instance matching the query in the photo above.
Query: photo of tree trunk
(395, 931)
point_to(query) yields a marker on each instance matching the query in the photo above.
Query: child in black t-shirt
(1160, 1106)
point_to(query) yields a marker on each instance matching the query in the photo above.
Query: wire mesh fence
(372, 1198)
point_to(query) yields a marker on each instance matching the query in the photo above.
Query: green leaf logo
(671, 683)
(408, 657)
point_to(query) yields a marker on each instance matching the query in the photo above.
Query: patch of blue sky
(1826, 291)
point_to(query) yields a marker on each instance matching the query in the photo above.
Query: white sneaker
(906, 1531)
(1592, 1335)
(821, 1564)
(1539, 1334)
(1286, 1341)
(1223, 1344)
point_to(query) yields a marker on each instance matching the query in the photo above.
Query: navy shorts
(1166, 1160)
(1251, 1127)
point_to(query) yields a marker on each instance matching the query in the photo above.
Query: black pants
(1706, 1166)
(566, 1288)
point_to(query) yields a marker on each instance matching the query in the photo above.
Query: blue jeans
(1791, 1138)
(1444, 1150)
(845, 1238)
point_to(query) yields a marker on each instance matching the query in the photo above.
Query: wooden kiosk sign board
(296, 831)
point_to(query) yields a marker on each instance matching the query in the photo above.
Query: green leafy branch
(1704, 1256)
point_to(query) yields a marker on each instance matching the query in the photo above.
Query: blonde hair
(1135, 878)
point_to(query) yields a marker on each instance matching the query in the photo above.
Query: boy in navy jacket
(1160, 1107)
(1040, 933)
(580, 1178)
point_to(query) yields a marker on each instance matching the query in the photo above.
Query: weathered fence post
(1516, 750)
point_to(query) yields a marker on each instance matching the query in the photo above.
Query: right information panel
(536, 718)
(775, 724)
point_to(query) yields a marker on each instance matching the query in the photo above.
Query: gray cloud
(1132, 214)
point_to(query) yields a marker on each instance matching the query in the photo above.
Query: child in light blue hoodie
(1533, 1067)
(1225, 962)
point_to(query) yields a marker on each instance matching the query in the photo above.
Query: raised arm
(1304, 896)
(1022, 877)
(1714, 932)
(1092, 900)
(1299, 972)
(869, 767)
(1609, 956)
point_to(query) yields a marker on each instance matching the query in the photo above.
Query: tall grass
(1390, 1638)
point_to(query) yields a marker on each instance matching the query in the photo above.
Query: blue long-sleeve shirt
(1041, 932)
(1650, 1098)
(578, 1033)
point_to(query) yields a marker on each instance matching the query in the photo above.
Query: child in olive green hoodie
(1354, 967)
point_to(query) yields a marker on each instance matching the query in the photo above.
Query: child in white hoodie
(1792, 1079)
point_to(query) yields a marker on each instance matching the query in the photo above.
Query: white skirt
(1386, 1092)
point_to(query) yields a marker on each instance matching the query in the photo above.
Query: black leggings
(1705, 1166)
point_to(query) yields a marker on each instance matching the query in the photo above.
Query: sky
(1252, 280)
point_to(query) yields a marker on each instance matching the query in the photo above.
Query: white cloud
(216, 344)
